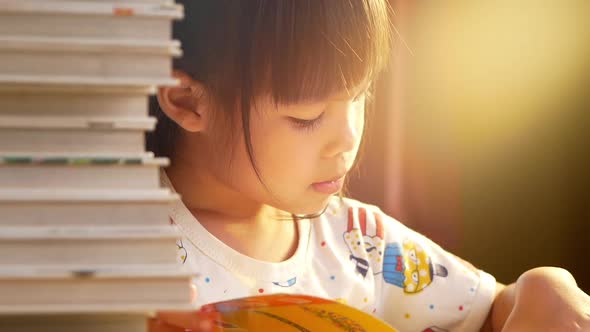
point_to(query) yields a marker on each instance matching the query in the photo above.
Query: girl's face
(296, 148)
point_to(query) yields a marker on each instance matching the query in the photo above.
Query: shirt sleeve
(420, 286)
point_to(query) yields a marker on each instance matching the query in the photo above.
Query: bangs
(307, 50)
(292, 50)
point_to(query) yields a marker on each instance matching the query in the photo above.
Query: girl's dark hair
(292, 50)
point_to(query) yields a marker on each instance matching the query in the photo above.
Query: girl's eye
(307, 124)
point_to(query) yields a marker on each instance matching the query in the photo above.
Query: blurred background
(480, 131)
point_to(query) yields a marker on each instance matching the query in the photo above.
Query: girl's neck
(251, 228)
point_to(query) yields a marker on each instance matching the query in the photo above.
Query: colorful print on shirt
(182, 253)
(364, 239)
(408, 266)
(405, 265)
(289, 283)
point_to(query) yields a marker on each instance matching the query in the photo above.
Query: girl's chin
(313, 208)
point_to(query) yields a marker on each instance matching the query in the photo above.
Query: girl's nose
(346, 131)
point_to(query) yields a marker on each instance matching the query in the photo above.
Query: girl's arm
(503, 304)
(542, 299)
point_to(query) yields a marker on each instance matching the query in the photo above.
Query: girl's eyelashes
(312, 124)
(305, 124)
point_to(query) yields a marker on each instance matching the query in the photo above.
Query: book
(88, 19)
(87, 122)
(81, 83)
(155, 2)
(85, 207)
(84, 247)
(278, 312)
(68, 171)
(78, 323)
(19, 134)
(60, 289)
(30, 101)
(43, 56)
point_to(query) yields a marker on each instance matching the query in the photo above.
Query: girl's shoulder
(349, 215)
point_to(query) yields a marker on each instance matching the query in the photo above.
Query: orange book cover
(278, 312)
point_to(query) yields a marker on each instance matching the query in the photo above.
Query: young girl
(262, 132)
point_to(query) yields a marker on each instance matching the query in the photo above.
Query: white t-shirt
(355, 254)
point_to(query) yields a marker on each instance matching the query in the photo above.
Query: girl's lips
(328, 187)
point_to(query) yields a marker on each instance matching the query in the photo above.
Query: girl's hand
(548, 299)
(179, 322)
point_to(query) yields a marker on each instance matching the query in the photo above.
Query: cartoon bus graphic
(409, 267)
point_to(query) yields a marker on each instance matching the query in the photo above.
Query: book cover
(278, 312)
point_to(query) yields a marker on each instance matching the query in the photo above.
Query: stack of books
(85, 243)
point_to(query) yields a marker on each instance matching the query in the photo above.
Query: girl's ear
(186, 104)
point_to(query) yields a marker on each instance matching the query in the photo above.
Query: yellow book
(279, 312)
